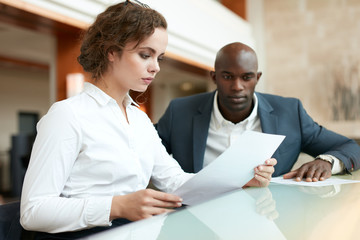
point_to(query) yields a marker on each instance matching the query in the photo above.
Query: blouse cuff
(98, 211)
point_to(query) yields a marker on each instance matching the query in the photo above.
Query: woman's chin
(140, 89)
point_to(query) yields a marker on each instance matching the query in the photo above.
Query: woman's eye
(160, 59)
(144, 56)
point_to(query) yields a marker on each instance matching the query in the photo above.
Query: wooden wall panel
(67, 36)
(238, 7)
(68, 49)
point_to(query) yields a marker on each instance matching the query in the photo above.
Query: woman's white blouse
(85, 153)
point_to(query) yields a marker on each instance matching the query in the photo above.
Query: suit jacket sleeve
(318, 140)
(287, 116)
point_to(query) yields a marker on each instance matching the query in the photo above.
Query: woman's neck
(115, 92)
(112, 90)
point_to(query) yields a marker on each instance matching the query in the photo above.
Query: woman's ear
(111, 56)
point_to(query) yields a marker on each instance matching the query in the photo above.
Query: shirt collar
(219, 120)
(102, 98)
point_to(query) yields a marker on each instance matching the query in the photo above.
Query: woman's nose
(154, 67)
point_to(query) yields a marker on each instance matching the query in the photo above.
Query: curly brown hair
(118, 25)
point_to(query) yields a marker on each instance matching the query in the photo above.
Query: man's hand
(312, 171)
(143, 204)
(263, 174)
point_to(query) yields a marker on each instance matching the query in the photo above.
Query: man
(197, 129)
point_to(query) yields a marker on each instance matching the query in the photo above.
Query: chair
(10, 228)
(21, 145)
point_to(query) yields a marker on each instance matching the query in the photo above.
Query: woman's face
(135, 68)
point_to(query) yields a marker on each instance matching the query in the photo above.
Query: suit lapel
(268, 120)
(201, 123)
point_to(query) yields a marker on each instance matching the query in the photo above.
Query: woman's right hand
(143, 204)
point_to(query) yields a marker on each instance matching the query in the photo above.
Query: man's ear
(213, 76)
(258, 75)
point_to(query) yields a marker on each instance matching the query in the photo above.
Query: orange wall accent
(43, 13)
(238, 7)
(68, 49)
(67, 36)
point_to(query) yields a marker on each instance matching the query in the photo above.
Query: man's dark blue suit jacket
(184, 129)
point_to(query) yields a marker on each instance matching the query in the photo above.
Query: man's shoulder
(271, 98)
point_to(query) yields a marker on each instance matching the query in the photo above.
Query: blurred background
(308, 49)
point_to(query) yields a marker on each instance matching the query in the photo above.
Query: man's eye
(227, 77)
(247, 77)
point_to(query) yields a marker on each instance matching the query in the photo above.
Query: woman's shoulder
(71, 105)
(61, 107)
(64, 110)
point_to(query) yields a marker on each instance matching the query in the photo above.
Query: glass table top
(275, 212)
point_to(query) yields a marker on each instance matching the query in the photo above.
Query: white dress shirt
(85, 153)
(222, 133)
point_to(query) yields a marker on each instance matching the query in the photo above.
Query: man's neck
(236, 117)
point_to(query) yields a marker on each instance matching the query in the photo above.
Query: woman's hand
(263, 174)
(143, 204)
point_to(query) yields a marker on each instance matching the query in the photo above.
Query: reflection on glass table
(236, 215)
(327, 212)
(276, 212)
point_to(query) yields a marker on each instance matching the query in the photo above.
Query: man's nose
(238, 84)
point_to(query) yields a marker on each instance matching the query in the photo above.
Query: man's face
(236, 77)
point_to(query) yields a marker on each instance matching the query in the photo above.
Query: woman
(95, 153)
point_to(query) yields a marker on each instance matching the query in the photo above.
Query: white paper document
(232, 169)
(327, 182)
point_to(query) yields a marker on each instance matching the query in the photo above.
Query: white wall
(197, 29)
(20, 90)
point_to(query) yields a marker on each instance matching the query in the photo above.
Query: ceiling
(20, 47)
(197, 29)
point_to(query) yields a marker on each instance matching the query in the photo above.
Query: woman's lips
(147, 80)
